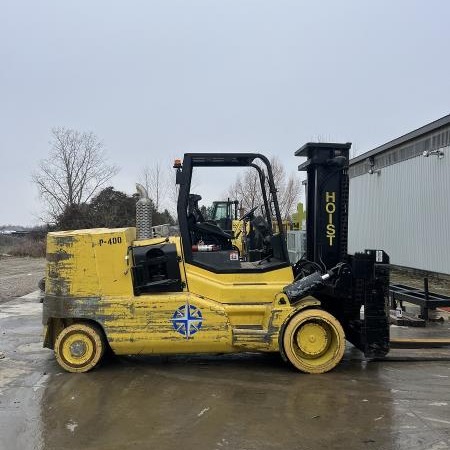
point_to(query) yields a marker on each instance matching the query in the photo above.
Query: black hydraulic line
(299, 288)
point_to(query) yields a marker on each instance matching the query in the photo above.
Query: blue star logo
(187, 320)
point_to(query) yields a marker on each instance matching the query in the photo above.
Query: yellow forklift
(227, 215)
(125, 291)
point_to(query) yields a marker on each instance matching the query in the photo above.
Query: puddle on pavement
(21, 309)
(236, 402)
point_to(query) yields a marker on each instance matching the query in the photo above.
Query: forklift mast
(326, 201)
(358, 296)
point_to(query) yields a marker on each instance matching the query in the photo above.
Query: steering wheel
(249, 214)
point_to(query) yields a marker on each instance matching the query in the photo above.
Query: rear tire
(314, 341)
(79, 347)
(41, 284)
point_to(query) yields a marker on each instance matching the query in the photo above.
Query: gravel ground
(19, 276)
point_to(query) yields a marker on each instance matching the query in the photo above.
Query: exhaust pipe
(143, 214)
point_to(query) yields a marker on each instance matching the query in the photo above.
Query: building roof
(430, 127)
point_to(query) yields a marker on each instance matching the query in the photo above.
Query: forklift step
(253, 331)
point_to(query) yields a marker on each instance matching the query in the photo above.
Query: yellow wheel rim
(77, 349)
(314, 341)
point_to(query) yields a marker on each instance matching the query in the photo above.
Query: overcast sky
(156, 79)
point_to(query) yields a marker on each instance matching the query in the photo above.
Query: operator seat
(194, 213)
(259, 239)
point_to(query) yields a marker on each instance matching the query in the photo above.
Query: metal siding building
(403, 206)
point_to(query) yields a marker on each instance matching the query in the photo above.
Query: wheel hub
(312, 339)
(78, 349)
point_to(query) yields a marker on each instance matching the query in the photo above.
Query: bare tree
(290, 196)
(246, 189)
(288, 188)
(74, 171)
(155, 180)
(173, 191)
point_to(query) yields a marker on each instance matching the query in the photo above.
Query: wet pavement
(246, 401)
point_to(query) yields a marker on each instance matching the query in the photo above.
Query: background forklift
(194, 294)
(224, 213)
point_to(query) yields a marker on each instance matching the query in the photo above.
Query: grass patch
(22, 246)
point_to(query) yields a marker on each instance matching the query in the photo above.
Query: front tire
(314, 341)
(79, 347)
